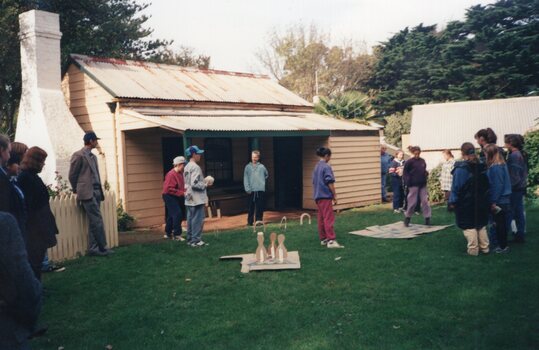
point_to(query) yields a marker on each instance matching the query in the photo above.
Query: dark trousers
(256, 207)
(36, 254)
(500, 222)
(174, 214)
(398, 192)
(97, 239)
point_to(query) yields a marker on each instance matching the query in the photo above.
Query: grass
(424, 293)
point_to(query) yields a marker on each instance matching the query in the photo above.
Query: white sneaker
(199, 244)
(334, 244)
(324, 242)
(166, 237)
(397, 211)
(179, 238)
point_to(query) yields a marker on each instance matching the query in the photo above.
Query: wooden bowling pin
(261, 254)
(282, 253)
(272, 249)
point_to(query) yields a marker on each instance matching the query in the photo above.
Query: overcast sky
(232, 31)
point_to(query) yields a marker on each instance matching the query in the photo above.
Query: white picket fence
(73, 226)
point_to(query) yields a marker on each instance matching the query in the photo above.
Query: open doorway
(288, 172)
(171, 148)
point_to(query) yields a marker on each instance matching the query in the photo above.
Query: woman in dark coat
(469, 199)
(41, 225)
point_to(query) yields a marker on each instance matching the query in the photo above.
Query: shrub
(531, 146)
(397, 125)
(436, 195)
(61, 188)
(125, 221)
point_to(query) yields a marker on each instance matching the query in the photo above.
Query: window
(218, 156)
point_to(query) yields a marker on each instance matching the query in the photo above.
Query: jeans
(96, 229)
(384, 194)
(256, 207)
(517, 212)
(398, 192)
(195, 223)
(326, 219)
(174, 214)
(500, 222)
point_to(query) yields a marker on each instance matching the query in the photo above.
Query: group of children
(489, 187)
(486, 187)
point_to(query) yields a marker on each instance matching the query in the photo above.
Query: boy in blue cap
(195, 197)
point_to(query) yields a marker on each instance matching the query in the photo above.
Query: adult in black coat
(20, 291)
(41, 224)
(469, 199)
(11, 200)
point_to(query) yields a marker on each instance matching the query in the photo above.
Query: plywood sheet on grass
(397, 230)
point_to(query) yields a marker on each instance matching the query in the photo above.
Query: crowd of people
(28, 229)
(486, 188)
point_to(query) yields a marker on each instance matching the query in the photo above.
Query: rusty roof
(240, 120)
(146, 80)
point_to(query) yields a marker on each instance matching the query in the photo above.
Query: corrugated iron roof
(239, 120)
(449, 125)
(146, 80)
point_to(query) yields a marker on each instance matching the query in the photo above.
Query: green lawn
(424, 293)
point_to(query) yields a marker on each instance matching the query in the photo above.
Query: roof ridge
(142, 63)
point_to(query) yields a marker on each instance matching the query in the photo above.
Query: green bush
(436, 195)
(125, 221)
(531, 147)
(397, 125)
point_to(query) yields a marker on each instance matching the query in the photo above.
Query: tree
(106, 28)
(397, 125)
(303, 60)
(351, 105)
(407, 69)
(185, 57)
(493, 53)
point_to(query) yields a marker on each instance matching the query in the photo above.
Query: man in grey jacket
(20, 291)
(86, 183)
(195, 197)
(254, 181)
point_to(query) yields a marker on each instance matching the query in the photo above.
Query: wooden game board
(249, 263)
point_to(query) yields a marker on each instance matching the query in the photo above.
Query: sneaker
(179, 238)
(499, 250)
(199, 244)
(427, 221)
(334, 244)
(53, 268)
(166, 237)
(396, 211)
(324, 242)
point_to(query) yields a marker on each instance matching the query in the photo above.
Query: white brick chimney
(44, 119)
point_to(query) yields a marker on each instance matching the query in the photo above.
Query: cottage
(440, 126)
(147, 113)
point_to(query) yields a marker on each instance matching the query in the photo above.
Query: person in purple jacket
(325, 198)
(415, 178)
(499, 194)
(517, 164)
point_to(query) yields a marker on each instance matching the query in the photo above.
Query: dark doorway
(288, 172)
(172, 147)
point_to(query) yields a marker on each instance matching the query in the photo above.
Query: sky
(232, 31)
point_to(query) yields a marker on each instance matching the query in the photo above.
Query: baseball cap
(89, 136)
(178, 160)
(193, 149)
